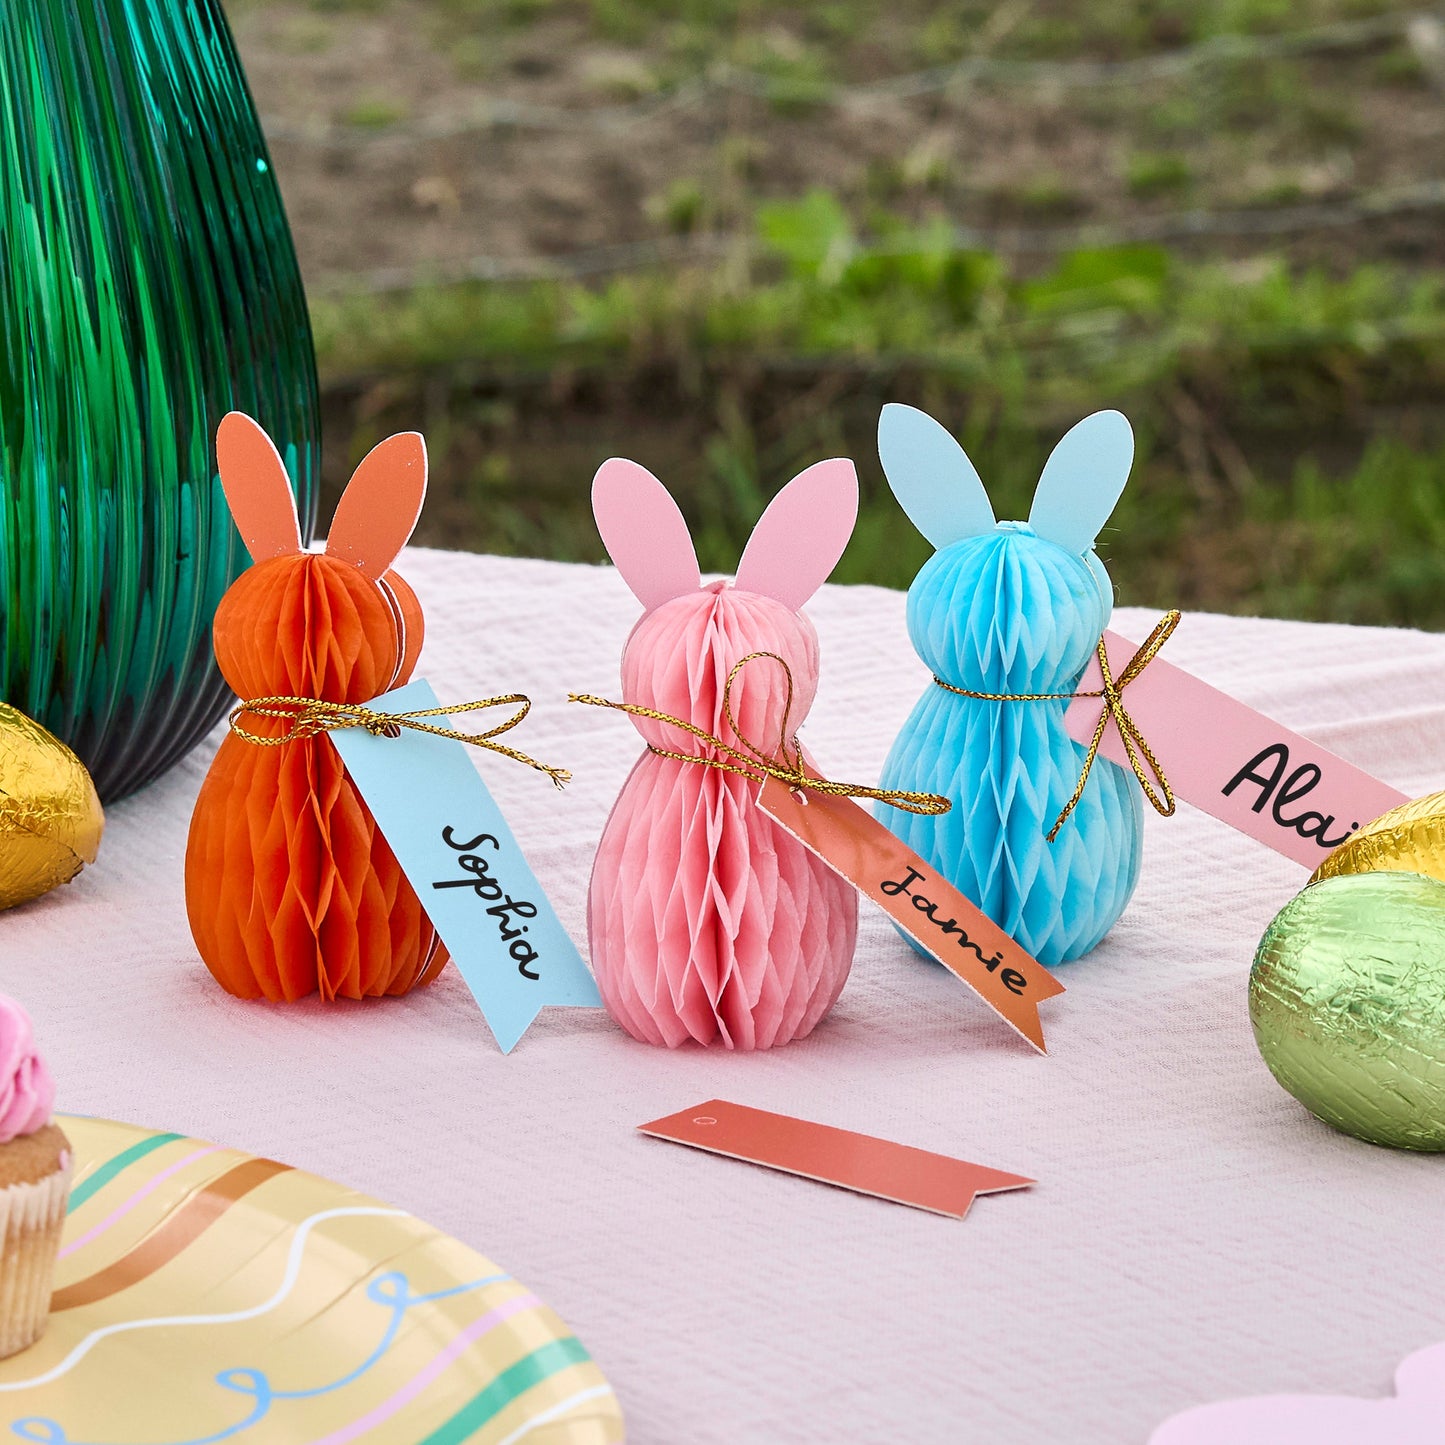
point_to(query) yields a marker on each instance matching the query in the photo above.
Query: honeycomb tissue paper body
(290, 887)
(706, 919)
(1018, 609)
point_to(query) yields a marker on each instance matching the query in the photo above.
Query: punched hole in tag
(704, 1119)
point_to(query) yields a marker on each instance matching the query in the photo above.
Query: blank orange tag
(860, 1162)
(956, 932)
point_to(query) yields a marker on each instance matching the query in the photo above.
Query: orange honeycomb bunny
(290, 887)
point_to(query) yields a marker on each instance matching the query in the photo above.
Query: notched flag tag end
(863, 1163)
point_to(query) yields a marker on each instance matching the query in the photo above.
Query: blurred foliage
(1291, 443)
(823, 36)
(804, 51)
(726, 380)
(1100, 321)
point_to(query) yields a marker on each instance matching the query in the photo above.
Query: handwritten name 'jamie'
(1267, 771)
(505, 909)
(1011, 978)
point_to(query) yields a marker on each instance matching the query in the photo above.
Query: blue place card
(457, 851)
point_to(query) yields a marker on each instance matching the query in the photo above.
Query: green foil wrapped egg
(1347, 999)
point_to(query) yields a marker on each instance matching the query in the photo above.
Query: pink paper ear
(644, 532)
(801, 536)
(379, 508)
(257, 489)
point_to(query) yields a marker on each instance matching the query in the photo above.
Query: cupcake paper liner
(31, 1219)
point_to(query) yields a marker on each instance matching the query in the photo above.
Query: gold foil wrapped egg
(50, 817)
(1347, 999)
(1407, 839)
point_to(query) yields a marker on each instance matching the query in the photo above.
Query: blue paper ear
(1083, 480)
(931, 476)
(1102, 581)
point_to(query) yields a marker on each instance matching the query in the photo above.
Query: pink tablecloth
(1194, 1233)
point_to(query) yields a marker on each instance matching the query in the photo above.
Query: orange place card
(916, 1177)
(955, 931)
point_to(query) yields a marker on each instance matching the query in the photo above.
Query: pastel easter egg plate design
(204, 1295)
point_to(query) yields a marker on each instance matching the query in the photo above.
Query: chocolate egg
(1407, 839)
(50, 817)
(1347, 999)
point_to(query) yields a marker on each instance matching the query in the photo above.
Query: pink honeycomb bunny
(706, 919)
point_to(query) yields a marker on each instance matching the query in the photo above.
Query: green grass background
(1287, 397)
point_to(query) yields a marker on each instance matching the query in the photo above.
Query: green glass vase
(148, 285)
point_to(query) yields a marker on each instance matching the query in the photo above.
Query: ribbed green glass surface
(147, 286)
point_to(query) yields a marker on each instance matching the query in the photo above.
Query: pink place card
(861, 1162)
(1233, 762)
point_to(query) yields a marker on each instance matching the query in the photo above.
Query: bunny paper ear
(257, 489)
(931, 476)
(800, 537)
(378, 510)
(1083, 480)
(644, 533)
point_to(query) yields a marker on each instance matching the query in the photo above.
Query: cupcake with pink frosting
(35, 1162)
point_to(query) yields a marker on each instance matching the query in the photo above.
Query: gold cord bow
(782, 767)
(309, 716)
(1135, 743)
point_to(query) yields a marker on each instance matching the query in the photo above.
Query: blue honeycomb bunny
(1013, 607)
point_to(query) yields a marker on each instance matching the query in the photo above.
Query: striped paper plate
(205, 1295)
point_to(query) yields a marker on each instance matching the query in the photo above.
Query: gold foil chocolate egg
(50, 817)
(1347, 999)
(1407, 839)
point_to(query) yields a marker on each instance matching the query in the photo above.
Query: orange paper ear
(258, 491)
(381, 504)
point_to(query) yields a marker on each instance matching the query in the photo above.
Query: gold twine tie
(781, 767)
(1135, 744)
(309, 716)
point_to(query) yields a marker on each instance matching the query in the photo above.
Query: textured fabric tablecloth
(1194, 1233)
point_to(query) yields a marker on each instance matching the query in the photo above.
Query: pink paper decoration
(706, 920)
(1415, 1416)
